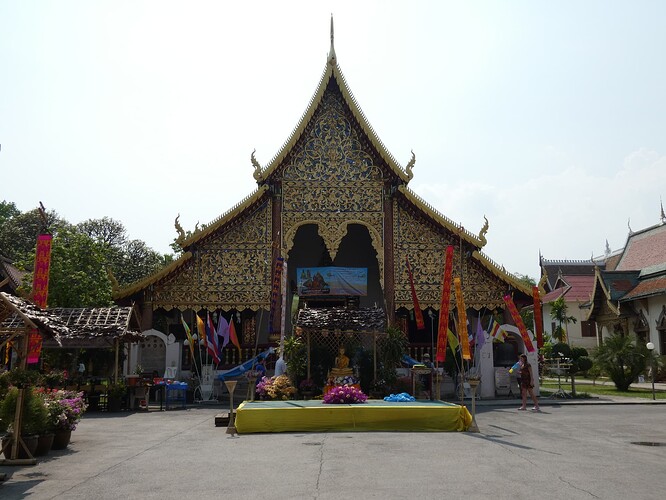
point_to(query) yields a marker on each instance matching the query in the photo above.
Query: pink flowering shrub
(65, 408)
(345, 394)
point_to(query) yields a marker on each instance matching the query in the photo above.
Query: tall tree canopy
(81, 255)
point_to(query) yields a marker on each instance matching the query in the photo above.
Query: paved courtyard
(565, 452)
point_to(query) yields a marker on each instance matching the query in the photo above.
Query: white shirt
(280, 367)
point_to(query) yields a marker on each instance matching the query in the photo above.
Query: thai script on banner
(275, 291)
(538, 319)
(444, 306)
(40, 290)
(519, 322)
(462, 320)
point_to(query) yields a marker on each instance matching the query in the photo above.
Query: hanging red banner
(519, 322)
(418, 314)
(275, 292)
(538, 318)
(444, 306)
(462, 320)
(40, 290)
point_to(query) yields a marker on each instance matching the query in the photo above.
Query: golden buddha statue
(341, 368)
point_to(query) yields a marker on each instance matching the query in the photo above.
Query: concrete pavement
(573, 451)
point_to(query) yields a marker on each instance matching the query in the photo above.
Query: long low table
(373, 415)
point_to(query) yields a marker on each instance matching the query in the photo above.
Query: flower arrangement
(65, 408)
(345, 394)
(276, 388)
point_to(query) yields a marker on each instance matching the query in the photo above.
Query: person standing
(527, 383)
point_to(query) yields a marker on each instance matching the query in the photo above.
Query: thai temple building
(336, 205)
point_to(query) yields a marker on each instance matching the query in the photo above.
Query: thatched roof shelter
(17, 314)
(87, 327)
(340, 319)
(98, 326)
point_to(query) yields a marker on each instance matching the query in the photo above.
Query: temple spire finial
(331, 54)
(662, 215)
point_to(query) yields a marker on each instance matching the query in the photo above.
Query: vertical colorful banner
(275, 292)
(538, 318)
(462, 320)
(418, 314)
(40, 290)
(519, 322)
(444, 306)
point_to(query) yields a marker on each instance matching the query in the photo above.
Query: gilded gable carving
(332, 181)
(425, 247)
(227, 271)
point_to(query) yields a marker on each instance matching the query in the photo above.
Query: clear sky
(547, 117)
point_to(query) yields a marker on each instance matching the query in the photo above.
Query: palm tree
(623, 357)
(558, 312)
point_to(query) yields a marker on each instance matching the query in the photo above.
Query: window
(588, 328)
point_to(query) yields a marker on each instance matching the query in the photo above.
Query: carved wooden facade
(333, 172)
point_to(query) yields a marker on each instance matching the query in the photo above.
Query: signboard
(314, 281)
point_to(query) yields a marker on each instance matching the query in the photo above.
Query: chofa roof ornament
(257, 174)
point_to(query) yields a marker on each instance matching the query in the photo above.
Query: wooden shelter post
(115, 365)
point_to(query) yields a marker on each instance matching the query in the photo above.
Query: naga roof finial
(257, 168)
(181, 232)
(115, 286)
(410, 166)
(331, 53)
(482, 233)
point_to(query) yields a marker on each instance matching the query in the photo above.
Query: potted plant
(65, 409)
(54, 379)
(33, 420)
(115, 394)
(21, 378)
(134, 378)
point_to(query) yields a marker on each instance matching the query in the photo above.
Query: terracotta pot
(30, 442)
(61, 439)
(44, 444)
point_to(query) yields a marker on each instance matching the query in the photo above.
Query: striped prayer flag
(233, 336)
(211, 338)
(453, 341)
(190, 340)
(462, 319)
(223, 331)
(201, 328)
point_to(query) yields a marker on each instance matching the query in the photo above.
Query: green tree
(558, 312)
(78, 277)
(623, 358)
(19, 231)
(129, 260)
(8, 210)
